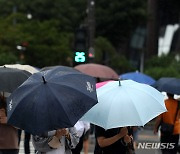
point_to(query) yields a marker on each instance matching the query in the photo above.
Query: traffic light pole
(80, 46)
(84, 38)
(152, 29)
(91, 28)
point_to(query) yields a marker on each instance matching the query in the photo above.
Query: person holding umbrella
(8, 134)
(170, 119)
(59, 141)
(52, 100)
(113, 141)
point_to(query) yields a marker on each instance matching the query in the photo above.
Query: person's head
(2, 101)
(170, 95)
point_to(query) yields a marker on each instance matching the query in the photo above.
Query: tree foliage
(49, 34)
(164, 66)
(117, 21)
(106, 54)
(45, 44)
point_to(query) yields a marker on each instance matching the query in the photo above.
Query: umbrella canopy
(97, 70)
(100, 84)
(168, 84)
(50, 100)
(138, 77)
(28, 68)
(62, 68)
(128, 104)
(11, 78)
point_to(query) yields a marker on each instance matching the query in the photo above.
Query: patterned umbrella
(50, 100)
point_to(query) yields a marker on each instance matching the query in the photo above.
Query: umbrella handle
(119, 82)
(44, 79)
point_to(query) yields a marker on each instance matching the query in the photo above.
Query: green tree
(117, 21)
(46, 45)
(7, 58)
(164, 66)
(106, 54)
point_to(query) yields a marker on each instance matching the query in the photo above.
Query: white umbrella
(126, 104)
(28, 68)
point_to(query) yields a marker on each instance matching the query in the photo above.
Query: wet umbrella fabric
(61, 68)
(12, 78)
(97, 70)
(100, 84)
(50, 100)
(128, 104)
(28, 68)
(138, 77)
(168, 84)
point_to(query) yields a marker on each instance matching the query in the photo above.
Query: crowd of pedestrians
(75, 139)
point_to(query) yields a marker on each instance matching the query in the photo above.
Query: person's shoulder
(98, 127)
(171, 101)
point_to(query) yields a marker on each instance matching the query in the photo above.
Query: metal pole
(152, 28)
(91, 27)
(14, 11)
(142, 62)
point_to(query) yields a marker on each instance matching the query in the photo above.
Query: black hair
(2, 102)
(170, 95)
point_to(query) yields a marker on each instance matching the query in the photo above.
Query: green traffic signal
(80, 50)
(80, 57)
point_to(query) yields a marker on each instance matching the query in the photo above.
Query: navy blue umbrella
(168, 84)
(138, 77)
(50, 100)
(63, 68)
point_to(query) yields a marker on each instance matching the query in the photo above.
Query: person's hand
(123, 131)
(155, 131)
(127, 139)
(61, 132)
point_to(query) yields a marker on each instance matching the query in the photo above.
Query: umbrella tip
(119, 82)
(44, 79)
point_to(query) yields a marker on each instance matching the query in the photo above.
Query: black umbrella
(11, 78)
(50, 100)
(168, 84)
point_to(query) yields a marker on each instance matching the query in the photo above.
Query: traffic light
(80, 47)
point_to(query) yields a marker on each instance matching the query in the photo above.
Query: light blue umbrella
(138, 77)
(125, 103)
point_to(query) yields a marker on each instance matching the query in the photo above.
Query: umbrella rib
(109, 109)
(56, 97)
(61, 105)
(67, 73)
(133, 104)
(150, 94)
(69, 87)
(72, 89)
(27, 93)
